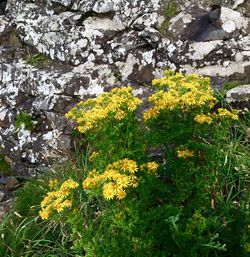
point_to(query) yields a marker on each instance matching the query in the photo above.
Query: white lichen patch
(200, 50)
(3, 113)
(232, 20)
(24, 136)
(93, 90)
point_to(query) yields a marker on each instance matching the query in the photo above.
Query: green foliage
(23, 233)
(230, 85)
(5, 168)
(194, 205)
(170, 11)
(37, 60)
(24, 119)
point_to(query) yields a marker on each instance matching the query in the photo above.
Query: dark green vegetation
(230, 85)
(24, 119)
(37, 60)
(170, 11)
(24, 234)
(4, 166)
(196, 205)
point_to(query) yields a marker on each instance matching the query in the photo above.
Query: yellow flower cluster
(185, 153)
(224, 113)
(220, 114)
(203, 118)
(178, 91)
(53, 183)
(93, 156)
(151, 167)
(118, 177)
(115, 104)
(57, 200)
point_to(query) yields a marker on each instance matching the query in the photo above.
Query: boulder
(239, 96)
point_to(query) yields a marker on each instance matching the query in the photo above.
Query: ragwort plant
(165, 182)
(24, 233)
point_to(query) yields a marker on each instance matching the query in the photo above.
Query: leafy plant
(192, 191)
(23, 233)
(36, 60)
(167, 181)
(170, 11)
(24, 119)
(230, 85)
(5, 168)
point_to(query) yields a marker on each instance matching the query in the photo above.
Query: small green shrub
(24, 119)
(230, 85)
(36, 60)
(170, 11)
(179, 208)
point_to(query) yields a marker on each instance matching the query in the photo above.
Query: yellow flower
(129, 165)
(69, 184)
(151, 113)
(56, 200)
(185, 153)
(89, 183)
(203, 118)
(224, 113)
(93, 156)
(123, 181)
(46, 200)
(44, 214)
(109, 191)
(62, 205)
(180, 92)
(133, 104)
(113, 105)
(121, 194)
(81, 129)
(119, 115)
(152, 167)
(67, 203)
(133, 181)
(111, 174)
(117, 178)
(53, 183)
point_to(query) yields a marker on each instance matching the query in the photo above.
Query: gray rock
(239, 94)
(2, 7)
(1, 196)
(199, 25)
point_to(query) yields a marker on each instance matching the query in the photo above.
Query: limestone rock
(196, 24)
(239, 94)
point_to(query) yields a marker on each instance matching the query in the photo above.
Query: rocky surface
(239, 96)
(7, 185)
(93, 45)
